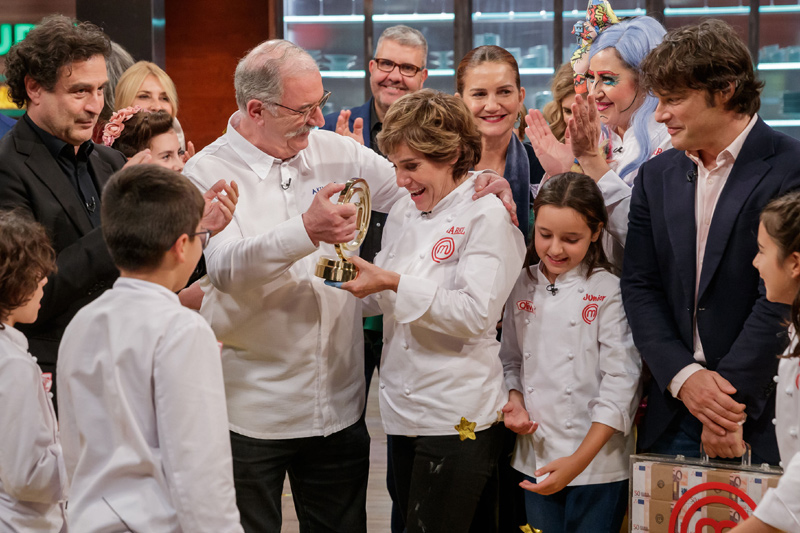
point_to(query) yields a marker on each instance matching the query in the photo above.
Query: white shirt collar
(15, 336)
(133, 284)
(733, 149)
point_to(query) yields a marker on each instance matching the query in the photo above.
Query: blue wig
(633, 39)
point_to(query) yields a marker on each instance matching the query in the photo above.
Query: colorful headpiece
(115, 125)
(599, 16)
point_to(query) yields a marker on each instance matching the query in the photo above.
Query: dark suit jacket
(363, 111)
(741, 332)
(31, 179)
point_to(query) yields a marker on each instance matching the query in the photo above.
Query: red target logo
(443, 249)
(697, 504)
(589, 313)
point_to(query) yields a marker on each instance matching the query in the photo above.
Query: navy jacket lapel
(46, 169)
(748, 170)
(679, 211)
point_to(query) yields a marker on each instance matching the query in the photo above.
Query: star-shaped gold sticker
(528, 529)
(466, 429)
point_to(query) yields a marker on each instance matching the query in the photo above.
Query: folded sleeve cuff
(293, 239)
(613, 187)
(607, 413)
(414, 298)
(681, 377)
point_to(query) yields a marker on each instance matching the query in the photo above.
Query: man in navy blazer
(697, 308)
(50, 168)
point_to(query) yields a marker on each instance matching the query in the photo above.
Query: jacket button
(391, 255)
(570, 356)
(580, 289)
(450, 218)
(775, 379)
(530, 389)
(568, 390)
(793, 432)
(774, 421)
(568, 425)
(408, 392)
(572, 322)
(405, 346)
(527, 355)
(378, 296)
(527, 321)
(422, 256)
(789, 391)
(383, 386)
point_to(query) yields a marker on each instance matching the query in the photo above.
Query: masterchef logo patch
(589, 313)
(443, 249)
(526, 305)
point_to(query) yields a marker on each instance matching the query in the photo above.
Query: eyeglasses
(406, 69)
(313, 107)
(204, 236)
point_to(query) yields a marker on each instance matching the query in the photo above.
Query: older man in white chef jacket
(292, 347)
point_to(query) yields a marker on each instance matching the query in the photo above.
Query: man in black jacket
(50, 168)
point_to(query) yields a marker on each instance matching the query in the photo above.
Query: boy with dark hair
(143, 415)
(33, 483)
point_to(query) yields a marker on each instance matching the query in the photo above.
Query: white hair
(259, 75)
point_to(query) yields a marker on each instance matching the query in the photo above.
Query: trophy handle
(356, 192)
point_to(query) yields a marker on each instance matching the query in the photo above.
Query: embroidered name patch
(526, 305)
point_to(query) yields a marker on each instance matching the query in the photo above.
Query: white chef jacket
(616, 189)
(780, 507)
(142, 411)
(572, 356)
(457, 264)
(293, 352)
(33, 478)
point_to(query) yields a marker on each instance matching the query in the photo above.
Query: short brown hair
(26, 257)
(709, 57)
(435, 124)
(145, 208)
(57, 41)
(140, 129)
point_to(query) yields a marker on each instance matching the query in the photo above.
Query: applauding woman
(487, 79)
(447, 265)
(617, 102)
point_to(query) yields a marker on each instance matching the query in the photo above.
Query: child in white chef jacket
(778, 263)
(141, 397)
(33, 480)
(571, 367)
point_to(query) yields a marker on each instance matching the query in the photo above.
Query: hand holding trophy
(356, 192)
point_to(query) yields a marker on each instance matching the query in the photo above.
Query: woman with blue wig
(618, 110)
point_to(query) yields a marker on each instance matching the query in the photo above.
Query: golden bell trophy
(356, 192)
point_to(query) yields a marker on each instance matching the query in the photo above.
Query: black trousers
(448, 485)
(328, 476)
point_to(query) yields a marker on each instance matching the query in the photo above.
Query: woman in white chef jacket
(571, 367)
(446, 267)
(33, 477)
(778, 263)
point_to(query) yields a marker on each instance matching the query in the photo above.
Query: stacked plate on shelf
(441, 59)
(336, 61)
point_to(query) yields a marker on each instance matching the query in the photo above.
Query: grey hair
(118, 62)
(406, 36)
(259, 75)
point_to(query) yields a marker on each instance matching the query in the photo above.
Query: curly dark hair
(140, 129)
(26, 257)
(709, 57)
(56, 42)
